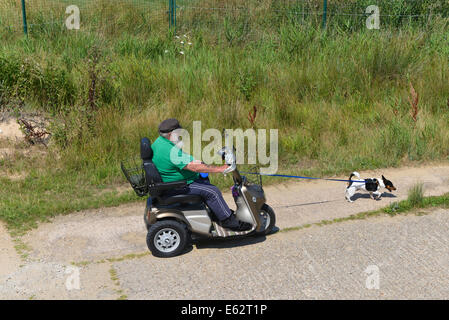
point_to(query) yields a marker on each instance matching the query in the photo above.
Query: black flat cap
(169, 125)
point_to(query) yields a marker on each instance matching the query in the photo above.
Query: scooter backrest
(146, 153)
(152, 176)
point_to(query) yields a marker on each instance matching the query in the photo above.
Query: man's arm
(198, 166)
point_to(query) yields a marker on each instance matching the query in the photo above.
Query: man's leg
(212, 196)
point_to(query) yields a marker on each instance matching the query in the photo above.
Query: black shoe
(233, 224)
(230, 222)
(244, 226)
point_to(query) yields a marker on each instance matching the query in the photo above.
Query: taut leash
(301, 177)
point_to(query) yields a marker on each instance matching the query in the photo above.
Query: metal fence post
(172, 13)
(24, 16)
(324, 13)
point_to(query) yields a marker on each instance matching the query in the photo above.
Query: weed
(416, 196)
(413, 99)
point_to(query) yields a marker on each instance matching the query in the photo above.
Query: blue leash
(300, 177)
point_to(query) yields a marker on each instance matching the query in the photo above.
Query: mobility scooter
(173, 221)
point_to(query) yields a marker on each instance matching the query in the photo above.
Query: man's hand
(198, 166)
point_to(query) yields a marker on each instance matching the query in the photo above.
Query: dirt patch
(6, 152)
(24, 127)
(16, 176)
(14, 143)
(10, 129)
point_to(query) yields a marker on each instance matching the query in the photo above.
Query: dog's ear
(383, 178)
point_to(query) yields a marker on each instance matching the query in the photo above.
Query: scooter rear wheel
(167, 238)
(269, 218)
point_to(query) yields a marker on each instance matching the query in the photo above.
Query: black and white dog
(373, 186)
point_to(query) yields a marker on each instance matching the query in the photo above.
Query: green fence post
(324, 13)
(24, 15)
(170, 5)
(172, 13)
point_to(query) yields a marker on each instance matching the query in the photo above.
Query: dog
(373, 186)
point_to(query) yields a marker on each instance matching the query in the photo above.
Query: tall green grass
(339, 96)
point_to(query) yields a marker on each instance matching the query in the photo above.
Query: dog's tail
(353, 174)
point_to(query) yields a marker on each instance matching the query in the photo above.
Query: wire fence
(233, 18)
(108, 16)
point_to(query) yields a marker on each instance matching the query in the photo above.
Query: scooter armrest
(164, 186)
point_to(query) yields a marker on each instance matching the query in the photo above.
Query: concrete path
(9, 259)
(103, 252)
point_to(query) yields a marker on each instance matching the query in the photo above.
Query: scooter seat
(180, 198)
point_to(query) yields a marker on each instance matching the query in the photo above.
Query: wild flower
(181, 44)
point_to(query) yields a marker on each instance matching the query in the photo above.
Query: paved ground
(406, 256)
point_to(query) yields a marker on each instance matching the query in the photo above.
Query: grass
(116, 281)
(416, 195)
(320, 88)
(21, 248)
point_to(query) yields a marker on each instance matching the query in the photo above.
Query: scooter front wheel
(268, 220)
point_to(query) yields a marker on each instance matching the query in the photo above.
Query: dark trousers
(211, 195)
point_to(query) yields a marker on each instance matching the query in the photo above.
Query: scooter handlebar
(230, 168)
(228, 156)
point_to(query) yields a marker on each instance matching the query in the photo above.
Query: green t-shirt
(170, 161)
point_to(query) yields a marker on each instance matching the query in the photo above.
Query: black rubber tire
(145, 220)
(272, 215)
(179, 227)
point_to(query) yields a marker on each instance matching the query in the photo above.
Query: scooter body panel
(195, 216)
(199, 220)
(249, 209)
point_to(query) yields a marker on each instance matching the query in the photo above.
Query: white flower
(190, 43)
(166, 51)
(177, 37)
(181, 52)
(182, 42)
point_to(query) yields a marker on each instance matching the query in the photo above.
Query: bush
(48, 86)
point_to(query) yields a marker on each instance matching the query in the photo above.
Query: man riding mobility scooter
(172, 221)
